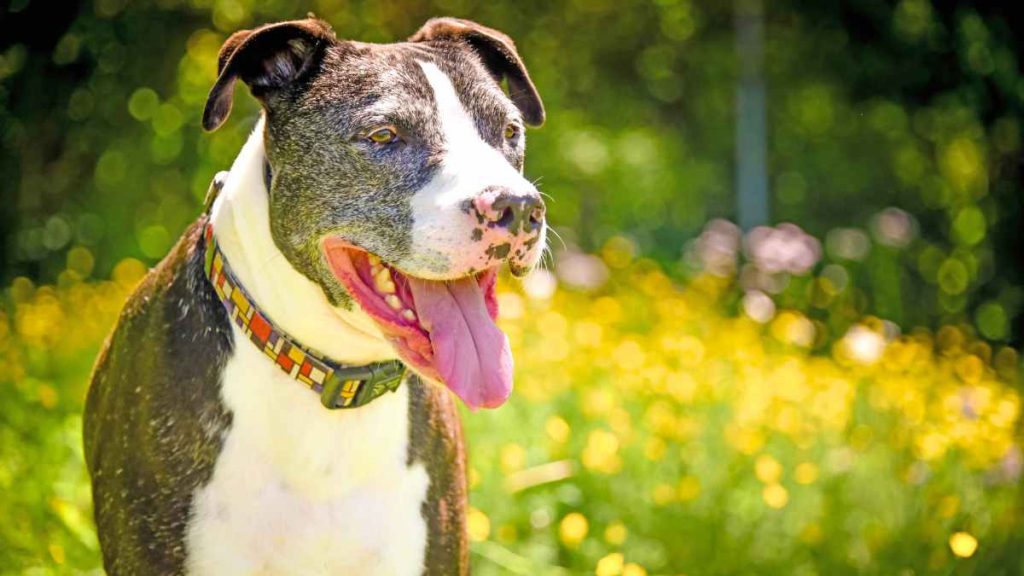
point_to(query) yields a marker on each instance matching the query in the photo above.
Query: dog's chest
(298, 489)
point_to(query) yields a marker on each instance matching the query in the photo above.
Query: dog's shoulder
(171, 310)
(154, 421)
(149, 299)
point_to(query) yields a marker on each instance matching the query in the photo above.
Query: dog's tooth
(409, 315)
(382, 281)
(394, 302)
(374, 260)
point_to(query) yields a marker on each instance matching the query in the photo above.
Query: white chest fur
(299, 490)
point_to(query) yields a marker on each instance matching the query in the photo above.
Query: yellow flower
(610, 565)
(558, 429)
(478, 525)
(601, 452)
(615, 534)
(598, 402)
(690, 351)
(654, 449)
(806, 473)
(689, 488)
(573, 529)
(963, 544)
(513, 457)
(587, 334)
(633, 569)
(128, 272)
(663, 494)
(767, 469)
(793, 328)
(970, 369)
(629, 355)
(746, 440)
(932, 445)
(775, 496)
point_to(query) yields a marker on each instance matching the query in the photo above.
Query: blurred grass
(653, 430)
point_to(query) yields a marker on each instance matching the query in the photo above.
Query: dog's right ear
(267, 59)
(499, 55)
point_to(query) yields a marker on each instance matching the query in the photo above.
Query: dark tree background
(914, 104)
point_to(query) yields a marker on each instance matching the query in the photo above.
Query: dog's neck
(241, 221)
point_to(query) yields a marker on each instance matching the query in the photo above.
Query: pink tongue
(470, 352)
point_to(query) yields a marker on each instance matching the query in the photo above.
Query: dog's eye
(512, 131)
(384, 135)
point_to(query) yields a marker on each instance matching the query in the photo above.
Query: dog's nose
(517, 213)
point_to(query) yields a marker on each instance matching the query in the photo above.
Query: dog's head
(396, 180)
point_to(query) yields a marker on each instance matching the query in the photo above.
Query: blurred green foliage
(915, 105)
(894, 137)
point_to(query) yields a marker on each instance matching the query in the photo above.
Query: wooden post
(751, 156)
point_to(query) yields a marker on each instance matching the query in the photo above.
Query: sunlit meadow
(689, 399)
(658, 426)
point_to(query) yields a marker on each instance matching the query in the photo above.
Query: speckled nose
(519, 214)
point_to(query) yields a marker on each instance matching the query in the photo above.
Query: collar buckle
(359, 385)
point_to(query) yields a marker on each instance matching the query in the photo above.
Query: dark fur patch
(435, 439)
(267, 59)
(154, 422)
(499, 251)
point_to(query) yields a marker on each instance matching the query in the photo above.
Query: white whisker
(559, 236)
(547, 259)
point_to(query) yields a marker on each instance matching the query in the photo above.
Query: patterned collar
(339, 386)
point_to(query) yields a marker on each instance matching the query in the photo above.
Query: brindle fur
(154, 419)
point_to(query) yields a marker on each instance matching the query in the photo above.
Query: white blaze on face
(442, 230)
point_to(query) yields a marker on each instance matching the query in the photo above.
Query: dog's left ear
(268, 58)
(498, 53)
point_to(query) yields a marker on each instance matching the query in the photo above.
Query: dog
(276, 397)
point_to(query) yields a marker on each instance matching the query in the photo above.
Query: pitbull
(276, 395)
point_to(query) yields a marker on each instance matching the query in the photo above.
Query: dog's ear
(498, 53)
(268, 58)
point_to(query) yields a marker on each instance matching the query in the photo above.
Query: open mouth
(443, 329)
